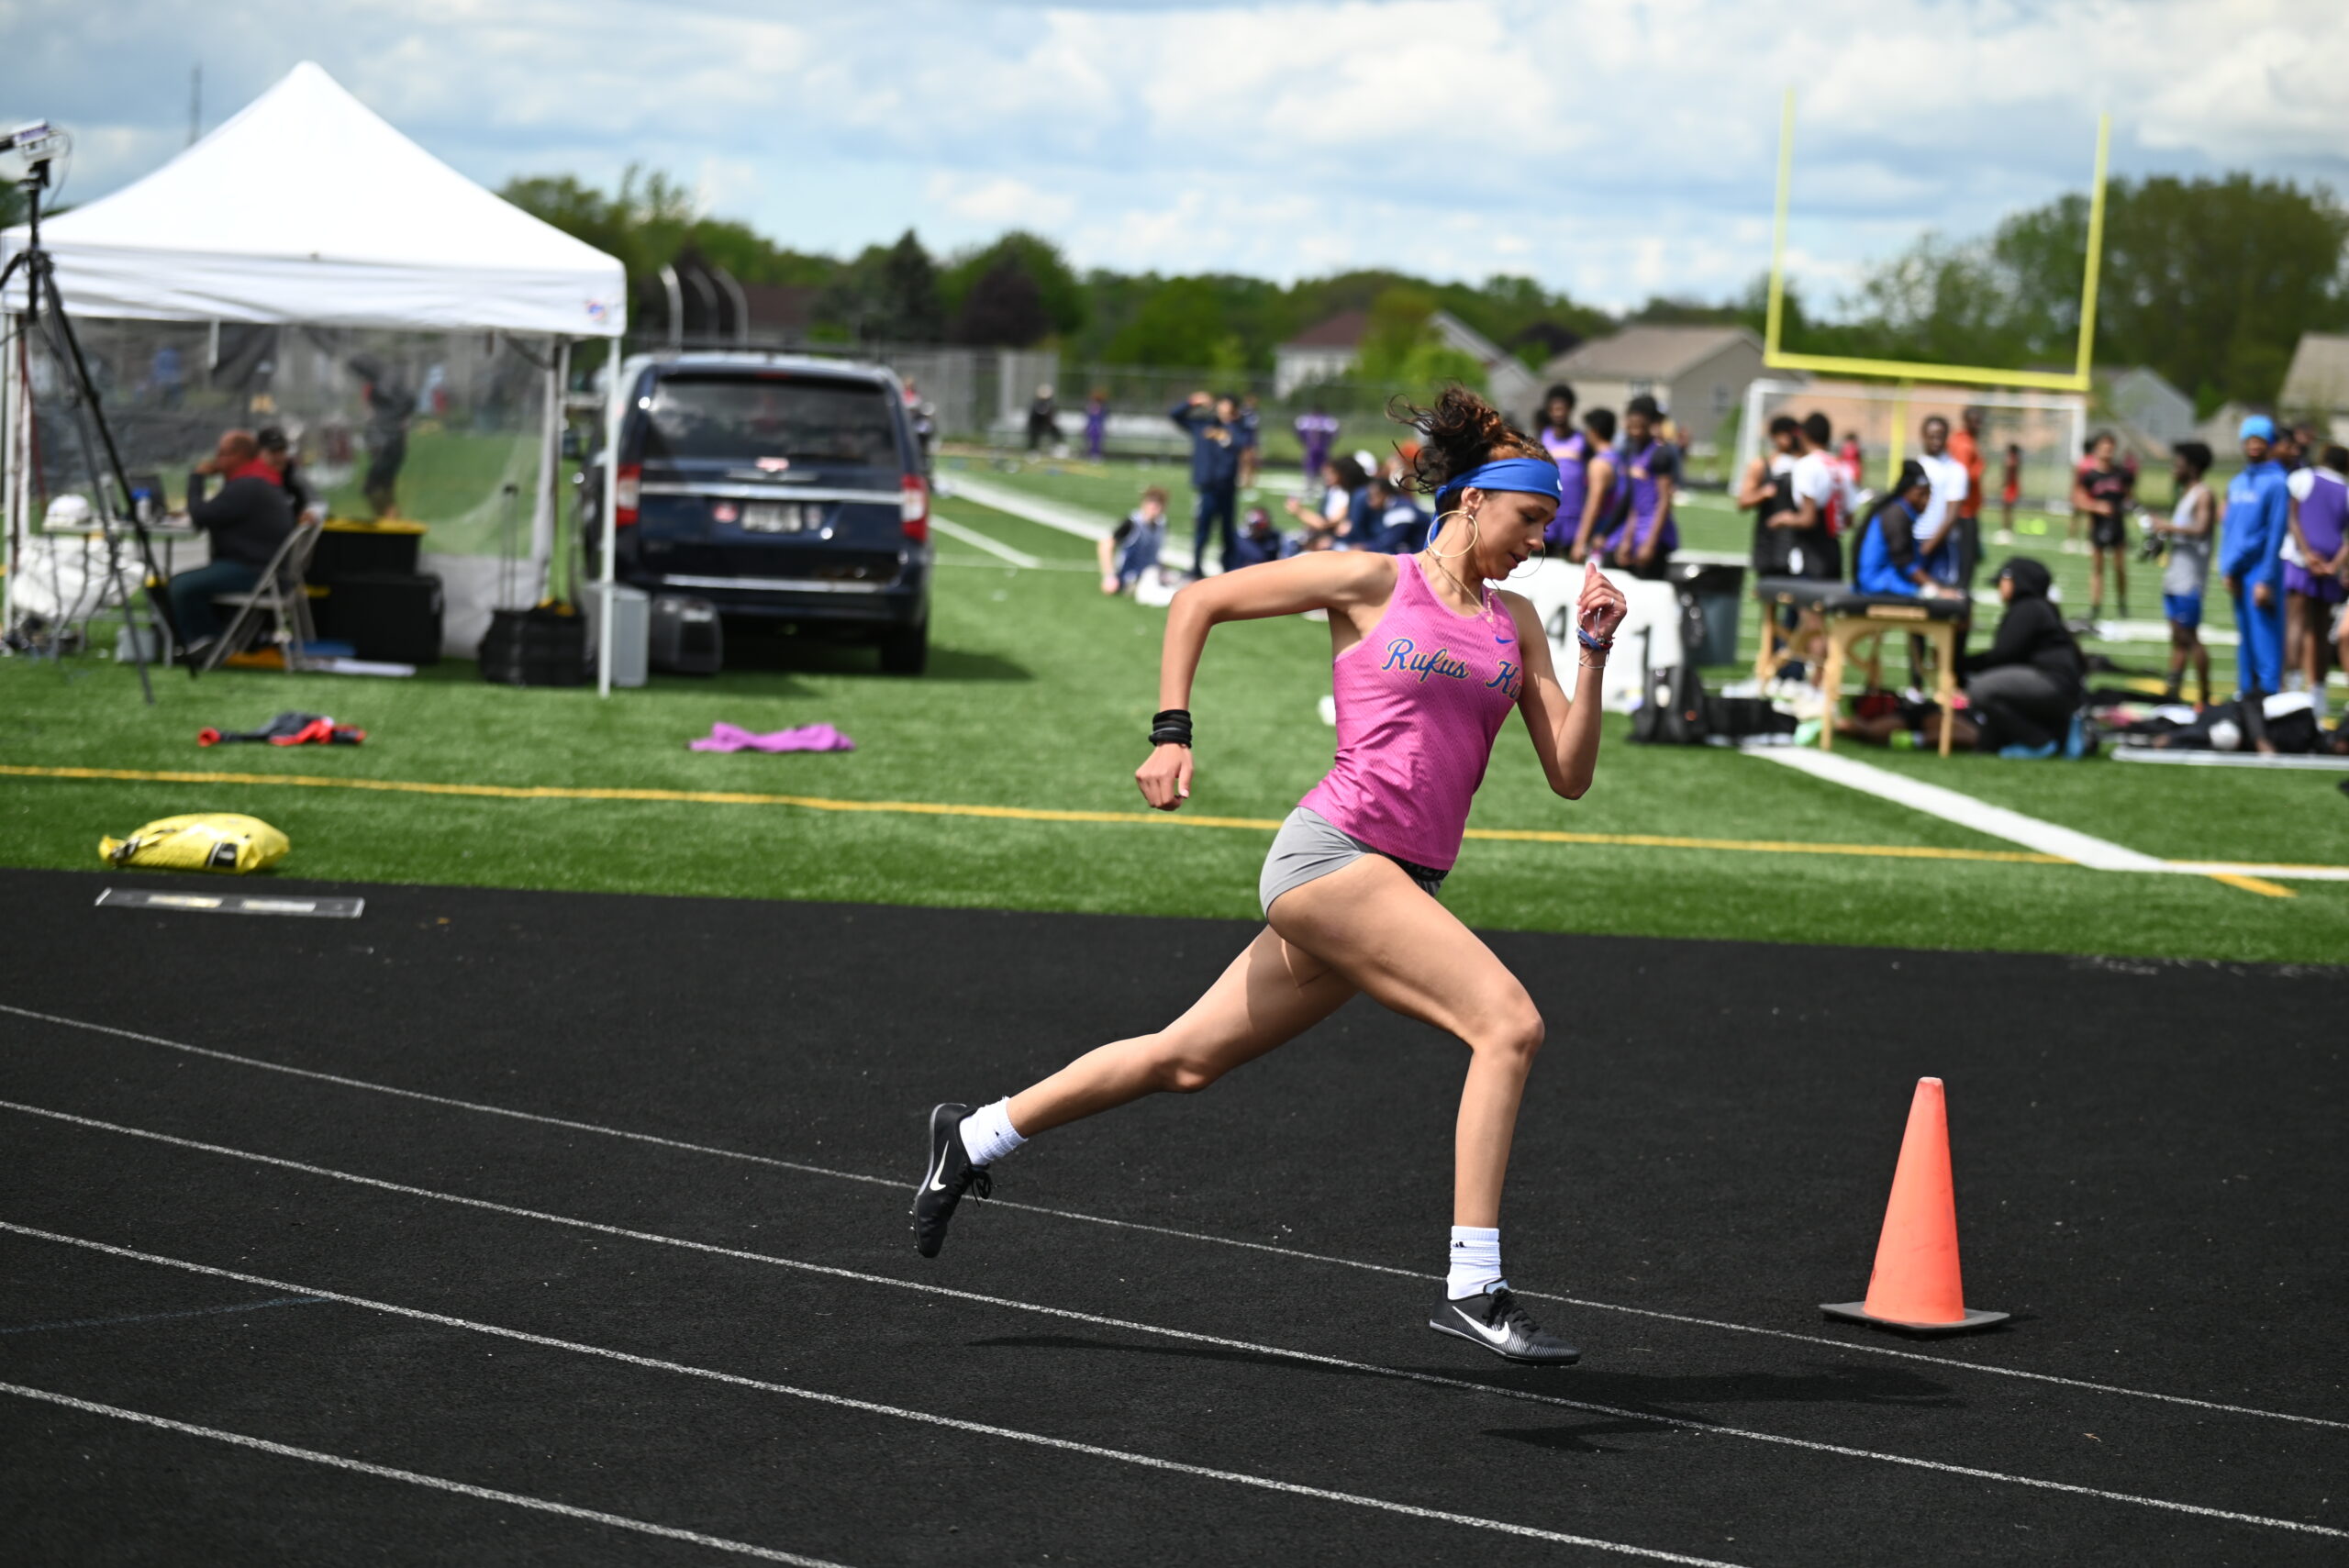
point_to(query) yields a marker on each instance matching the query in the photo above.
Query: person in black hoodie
(248, 520)
(2020, 693)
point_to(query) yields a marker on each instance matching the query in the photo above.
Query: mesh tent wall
(356, 233)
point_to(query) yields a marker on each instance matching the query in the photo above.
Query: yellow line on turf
(2253, 885)
(1011, 813)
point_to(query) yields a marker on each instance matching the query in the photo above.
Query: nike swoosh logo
(1504, 641)
(939, 1170)
(1489, 1335)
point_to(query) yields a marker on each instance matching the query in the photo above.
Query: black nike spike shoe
(951, 1174)
(1495, 1321)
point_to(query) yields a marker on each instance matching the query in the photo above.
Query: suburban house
(2153, 416)
(2316, 384)
(1329, 350)
(1698, 373)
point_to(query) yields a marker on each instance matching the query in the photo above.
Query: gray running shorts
(1309, 846)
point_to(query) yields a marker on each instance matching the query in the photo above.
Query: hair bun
(1460, 432)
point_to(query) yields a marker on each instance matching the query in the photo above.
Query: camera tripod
(44, 312)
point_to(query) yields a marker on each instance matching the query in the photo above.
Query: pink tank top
(1420, 700)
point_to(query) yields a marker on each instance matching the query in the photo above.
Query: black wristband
(1171, 728)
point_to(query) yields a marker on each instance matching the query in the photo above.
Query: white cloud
(1613, 150)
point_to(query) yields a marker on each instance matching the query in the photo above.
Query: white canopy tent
(308, 208)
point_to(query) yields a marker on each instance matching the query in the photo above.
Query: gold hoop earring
(1456, 512)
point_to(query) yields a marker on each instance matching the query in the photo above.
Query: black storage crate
(356, 549)
(544, 646)
(395, 617)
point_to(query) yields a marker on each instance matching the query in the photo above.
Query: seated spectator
(1332, 519)
(1134, 546)
(1888, 560)
(1259, 540)
(248, 522)
(277, 450)
(2023, 695)
(1395, 522)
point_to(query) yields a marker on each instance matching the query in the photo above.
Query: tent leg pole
(612, 517)
(547, 508)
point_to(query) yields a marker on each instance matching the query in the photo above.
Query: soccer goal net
(2045, 427)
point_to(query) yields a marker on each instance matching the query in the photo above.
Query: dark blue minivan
(773, 485)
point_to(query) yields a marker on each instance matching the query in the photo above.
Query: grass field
(1039, 692)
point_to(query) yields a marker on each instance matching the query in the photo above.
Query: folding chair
(282, 594)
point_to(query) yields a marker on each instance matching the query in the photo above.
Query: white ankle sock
(1475, 1262)
(988, 1135)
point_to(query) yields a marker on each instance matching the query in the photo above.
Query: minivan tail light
(627, 494)
(913, 508)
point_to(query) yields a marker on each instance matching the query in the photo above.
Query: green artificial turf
(1039, 692)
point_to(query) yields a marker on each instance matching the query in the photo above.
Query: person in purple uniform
(1572, 449)
(1643, 541)
(1096, 423)
(1316, 432)
(2316, 516)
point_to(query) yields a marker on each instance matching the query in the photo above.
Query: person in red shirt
(1966, 446)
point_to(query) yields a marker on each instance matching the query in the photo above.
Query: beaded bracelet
(1595, 644)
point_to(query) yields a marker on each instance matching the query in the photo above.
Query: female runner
(1428, 661)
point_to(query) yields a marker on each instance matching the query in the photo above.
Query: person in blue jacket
(1216, 445)
(1888, 561)
(2251, 545)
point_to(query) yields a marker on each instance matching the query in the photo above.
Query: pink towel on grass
(807, 738)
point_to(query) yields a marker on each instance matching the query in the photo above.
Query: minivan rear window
(740, 419)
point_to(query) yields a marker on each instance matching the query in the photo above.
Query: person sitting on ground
(2192, 527)
(1396, 523)
(1332, 519)
(1888, 560)
(2022, 693)
(1134, 546)
(248, 522)
(1260, 541)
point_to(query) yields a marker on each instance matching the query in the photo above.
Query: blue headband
(1529, 475)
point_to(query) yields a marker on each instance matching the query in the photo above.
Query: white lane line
(1950, 805)
(1682, 1423)
(1077, 521)
(414, 1478)
(160, 1317)
(982, 563)
(1066, 1445)
(992, 547)
(1272, 1248)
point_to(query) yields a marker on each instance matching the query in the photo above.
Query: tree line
(2209, 280)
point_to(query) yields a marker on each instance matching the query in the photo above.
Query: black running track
(557, 1343)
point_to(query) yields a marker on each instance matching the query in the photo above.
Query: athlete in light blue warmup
(2251, 558)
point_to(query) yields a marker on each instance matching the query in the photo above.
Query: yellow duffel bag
(216, 840)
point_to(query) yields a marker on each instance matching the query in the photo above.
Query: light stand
(45, 308)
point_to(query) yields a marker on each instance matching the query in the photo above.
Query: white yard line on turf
(413, 1478)
(992, 547)
(1272, 1247)
(1077, 521)
(984, 562)
(1066, 1445)
(2315, 762)
(1997, 821)
(1681, 1423)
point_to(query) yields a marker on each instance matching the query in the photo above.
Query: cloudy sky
(1613, 149)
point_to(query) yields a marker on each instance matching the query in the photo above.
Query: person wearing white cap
(2251, 559)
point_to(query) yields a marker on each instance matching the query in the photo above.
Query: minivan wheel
(905, 651)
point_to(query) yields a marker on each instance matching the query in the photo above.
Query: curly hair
(1459, 433)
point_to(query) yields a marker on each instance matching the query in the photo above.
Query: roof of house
(1647, 353)
(2320, 374)
(1343, 331)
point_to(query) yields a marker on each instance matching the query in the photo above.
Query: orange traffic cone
(1915, 1285)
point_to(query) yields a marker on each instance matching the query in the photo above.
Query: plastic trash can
(1713, 594)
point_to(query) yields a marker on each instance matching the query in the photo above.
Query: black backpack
(1674, 712)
